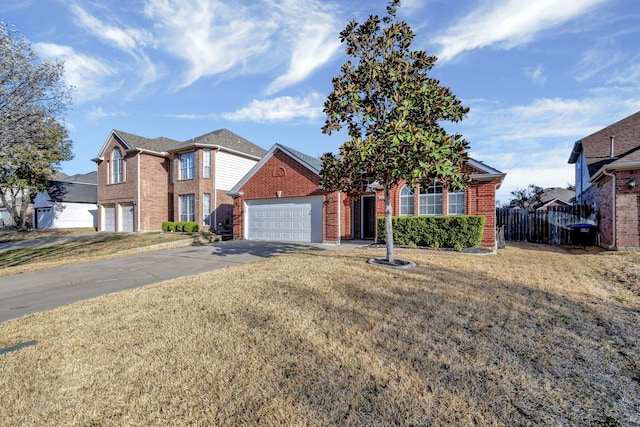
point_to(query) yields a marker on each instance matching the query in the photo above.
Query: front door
(368, 217)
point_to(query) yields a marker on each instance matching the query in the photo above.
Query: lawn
(89, 246)
(530, 336)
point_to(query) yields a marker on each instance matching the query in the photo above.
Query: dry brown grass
(527, 337)
(91, 247)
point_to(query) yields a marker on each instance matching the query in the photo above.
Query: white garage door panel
(109, 218)
(293, 220)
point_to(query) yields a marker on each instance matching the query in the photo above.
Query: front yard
(531, 336)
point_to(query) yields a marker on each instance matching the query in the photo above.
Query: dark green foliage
(393, 112)
(456, 232)
(190, 227)
(168, 226)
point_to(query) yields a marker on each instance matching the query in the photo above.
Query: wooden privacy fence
(552, 226)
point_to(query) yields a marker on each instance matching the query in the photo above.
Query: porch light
(278, 194)
(632, 183)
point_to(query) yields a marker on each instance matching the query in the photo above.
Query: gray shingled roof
(597, 146)
(73, 192)
(221, 138)
(83, 178)
(314, 162)
(225, 139)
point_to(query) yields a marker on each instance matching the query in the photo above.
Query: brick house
(143, 182)
(281, 199)
(607, 168)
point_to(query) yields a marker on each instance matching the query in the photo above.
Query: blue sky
(537, 75)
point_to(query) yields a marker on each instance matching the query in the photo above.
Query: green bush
(190, 227)
(456, 231)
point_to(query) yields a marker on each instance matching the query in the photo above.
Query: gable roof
(311, 163)
(162, 146)
(614, 147)
(223, 139)
(550, 195)
(314, 165)
(73, 192)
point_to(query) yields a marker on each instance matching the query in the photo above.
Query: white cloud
(536, 75)
(280, 109)
(211, 36)
(508, 23)
(132, 41)
(312, 31)
(531, 143)
(86, 74)
(99, 113)
(124, 39)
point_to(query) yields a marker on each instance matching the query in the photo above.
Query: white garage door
(127, 218)
(109, 218)
(287, 220)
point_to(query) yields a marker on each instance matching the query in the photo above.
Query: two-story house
(607, 170)
(143, 182)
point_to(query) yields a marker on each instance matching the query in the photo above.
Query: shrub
(168, 226)
(190, 227)
(457, 232)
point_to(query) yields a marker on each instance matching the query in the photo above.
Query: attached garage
(109, 218)
(128, 216)
(289, 220)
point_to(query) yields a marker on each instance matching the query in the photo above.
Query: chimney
(611, 141)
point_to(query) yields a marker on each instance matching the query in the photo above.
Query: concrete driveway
(29, 293)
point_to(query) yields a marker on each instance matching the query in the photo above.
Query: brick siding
(281, 173)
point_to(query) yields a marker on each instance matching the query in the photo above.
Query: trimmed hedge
(456, 231)
(189, 227)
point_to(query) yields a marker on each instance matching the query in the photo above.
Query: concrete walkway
(28, 293)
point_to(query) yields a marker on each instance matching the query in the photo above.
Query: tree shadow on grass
(440, 346)
(53, 252)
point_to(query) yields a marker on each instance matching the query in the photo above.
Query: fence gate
(551, 226)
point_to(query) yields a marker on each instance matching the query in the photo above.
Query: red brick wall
(124, 192)
(627, 210)
(480, 200)
(154, 192)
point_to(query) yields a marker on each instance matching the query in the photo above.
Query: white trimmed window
(206, 163)
(187, 207)
(186, 165)
(430, 202)
(456, 202)
(406, 201)
(116, 166)
(206, 209)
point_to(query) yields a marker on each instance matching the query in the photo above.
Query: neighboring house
(552, 196)
(143, 182)
(281, 199)
(607, 168)
(69, 202)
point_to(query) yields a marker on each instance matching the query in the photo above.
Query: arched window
(116, 166)
(406, 201)
(431, 199)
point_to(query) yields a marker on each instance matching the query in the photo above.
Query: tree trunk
(388, 224)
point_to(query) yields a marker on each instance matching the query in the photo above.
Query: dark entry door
(368, 217)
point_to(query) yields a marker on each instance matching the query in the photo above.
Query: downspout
(339, 220)
(613, 209)
(212, 172)
(137, 208)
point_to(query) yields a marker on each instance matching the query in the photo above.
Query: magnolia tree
(393, 112)
(33, 140)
